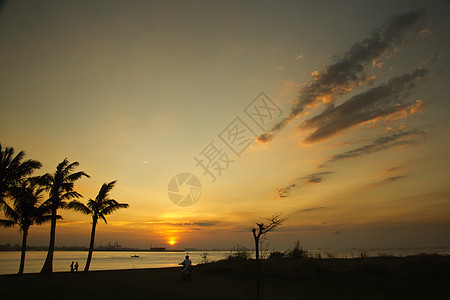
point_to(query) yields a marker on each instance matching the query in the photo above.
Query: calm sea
(114, 260)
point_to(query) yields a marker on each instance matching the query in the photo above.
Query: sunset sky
(352, 142)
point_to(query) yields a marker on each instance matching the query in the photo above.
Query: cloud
(347, 72)
(387, 180)
(315, 177)
(310, 209)
(394, 178)
(199, 224)
(385, 142)
(396, 168)
(195, 224)
(381, 102)
(285, 192)
(265, 137)
(406, 164)
(308, 179)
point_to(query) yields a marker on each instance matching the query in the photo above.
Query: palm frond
(105, 189)
(108, 210)
(66, 186)
(75, 176)
(45, 219)
(62, 204)
(7, 223)
(78, 206)
(13, 169)
(62, 165)
(44, 208)
(45, 181)
(27, 167)
(16, 160)
(103, 218)
(10, 213)
(70, 195)
(71, 166)
(48, 203)
(92, 204)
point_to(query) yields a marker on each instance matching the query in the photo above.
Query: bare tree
(259, 232)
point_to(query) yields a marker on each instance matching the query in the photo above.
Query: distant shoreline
(157, 249)
(68, 248)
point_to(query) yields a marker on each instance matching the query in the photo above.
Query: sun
(172, 242)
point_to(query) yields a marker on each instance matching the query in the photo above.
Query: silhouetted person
(71, 267)
(187, 265)
(76, 267)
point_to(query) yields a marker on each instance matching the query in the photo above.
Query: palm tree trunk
(24, 248)
(48, 265)
(91, 245)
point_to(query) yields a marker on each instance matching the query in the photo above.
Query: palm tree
(98, 208)
(60, 186)
(26, 210)
(13, 170)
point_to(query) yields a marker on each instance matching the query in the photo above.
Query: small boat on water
(134, 255)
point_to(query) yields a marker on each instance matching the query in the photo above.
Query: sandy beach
(122, 284)
(418, 277)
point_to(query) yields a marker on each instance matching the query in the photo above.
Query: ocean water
(101, 260)
(116, 260)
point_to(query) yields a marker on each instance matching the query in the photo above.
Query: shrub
(239, 252)
(276, 255)
(205, 259)
(364, 254)
(297, 252)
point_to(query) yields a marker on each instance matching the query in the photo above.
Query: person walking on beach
(76, 267)
(71, 267)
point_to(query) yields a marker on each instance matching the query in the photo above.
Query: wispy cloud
(178, 224)
(394, 178)
(199, 224)
(347, 73)
(388, 180)
(310, 209)
(381, 102)
(284, 192)
(396, 168)
(392, 139)
(313, 178)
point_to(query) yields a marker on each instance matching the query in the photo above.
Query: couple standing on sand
(72, 267)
